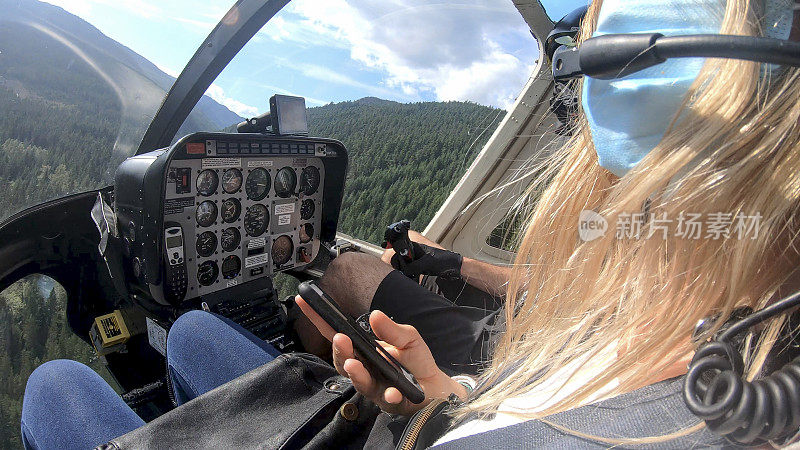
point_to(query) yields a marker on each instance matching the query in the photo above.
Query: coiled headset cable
(745, 412)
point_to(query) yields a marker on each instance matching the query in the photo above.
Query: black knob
(137, 267)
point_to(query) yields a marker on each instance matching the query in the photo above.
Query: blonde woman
(609, 318)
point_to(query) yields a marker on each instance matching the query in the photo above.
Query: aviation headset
(564, 102)
(745, 412)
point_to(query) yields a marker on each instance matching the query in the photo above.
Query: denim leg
(205, 350)
(68, 405)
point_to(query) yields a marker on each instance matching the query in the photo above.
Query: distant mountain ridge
(94, 43)
(73, 104)
(375, 101)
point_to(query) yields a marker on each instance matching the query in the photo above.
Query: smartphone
(377, 358)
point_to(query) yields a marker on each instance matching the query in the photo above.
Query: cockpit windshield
(80, 82)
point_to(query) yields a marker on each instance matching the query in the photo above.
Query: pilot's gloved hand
(430, 261)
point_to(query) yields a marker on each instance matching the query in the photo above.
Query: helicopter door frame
(524, 135)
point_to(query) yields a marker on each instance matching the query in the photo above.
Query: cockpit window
(413, 90)
(34, 330)
(74, 103)
(557, 9)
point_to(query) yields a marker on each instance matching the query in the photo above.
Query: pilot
(693, 167)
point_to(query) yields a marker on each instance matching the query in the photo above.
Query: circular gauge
(307, 209)
(230, 239)
(207, 273)
(285, 182)
(231, 266)
(282, 250)
(206, 213)
(309, 180)
(306, 232)
(230, 211)
(206, 243)
(207, 182)
(231, 180)
(256, 220)
(257, 185)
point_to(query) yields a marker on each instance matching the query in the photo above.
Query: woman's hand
(405, 344)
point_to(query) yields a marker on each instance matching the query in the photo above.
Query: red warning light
(196, 148)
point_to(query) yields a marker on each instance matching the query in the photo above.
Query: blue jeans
(68, 405)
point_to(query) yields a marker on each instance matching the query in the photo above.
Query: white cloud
(299, 30)
(452, 50)
(218, 94)
(328, 75)
(309, 100)
(494, 80)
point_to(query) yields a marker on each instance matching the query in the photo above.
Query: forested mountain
(64, 128)
(33, 330)
(73, 104)
(405, 158)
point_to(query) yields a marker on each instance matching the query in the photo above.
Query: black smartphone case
(376, 357)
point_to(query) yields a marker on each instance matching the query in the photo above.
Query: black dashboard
(217, 210)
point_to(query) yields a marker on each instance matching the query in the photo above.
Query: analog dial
(306, 232)
(309, 180)
(231, 180)
(206, 243)
(231, 266)
(206, 213)
(257, 185)
(256, 220)
(230, 211)
(307, 209)
(285, 182)
(207, 273)
(207, 182)
(282, 250)
(230, 239)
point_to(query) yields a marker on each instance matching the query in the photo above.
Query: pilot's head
(629, 117)
(688, 175)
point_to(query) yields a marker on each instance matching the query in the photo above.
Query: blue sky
(335, 50)
(557, 9)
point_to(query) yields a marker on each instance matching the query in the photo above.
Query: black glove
(430, 261)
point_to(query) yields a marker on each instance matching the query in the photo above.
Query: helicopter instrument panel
(220, 210)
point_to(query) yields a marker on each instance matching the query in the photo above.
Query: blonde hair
(731, 149)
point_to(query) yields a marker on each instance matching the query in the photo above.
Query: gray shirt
(654, 410)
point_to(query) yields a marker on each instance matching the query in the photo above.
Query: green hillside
(404, 158)
(62, 127)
